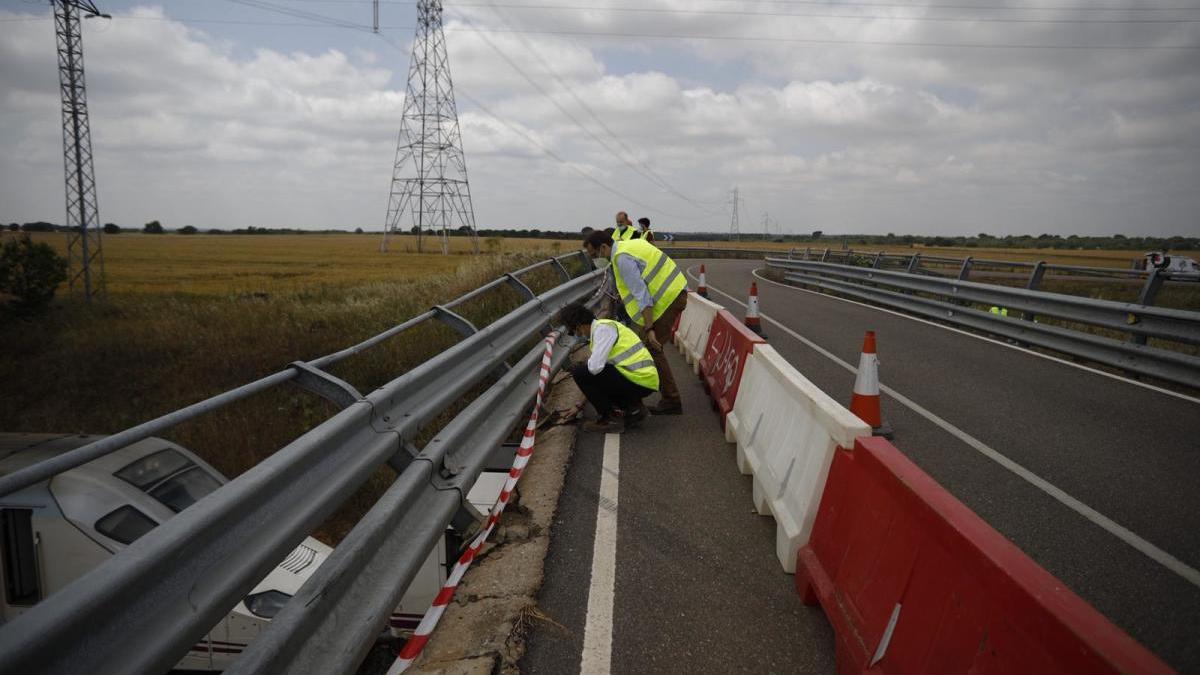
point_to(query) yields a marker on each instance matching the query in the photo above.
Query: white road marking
(597, 635)
(1151, 551)
(985, 338)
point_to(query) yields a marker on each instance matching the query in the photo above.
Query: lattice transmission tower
(735, 201)
(429, 177)
(85, 255)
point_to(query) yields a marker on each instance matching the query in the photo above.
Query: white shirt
(604, 337)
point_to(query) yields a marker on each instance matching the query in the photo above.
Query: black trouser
(608, 388)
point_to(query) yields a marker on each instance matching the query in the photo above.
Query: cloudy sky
(952, 117)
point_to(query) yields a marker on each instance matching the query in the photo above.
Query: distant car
(55, 531)
(1179, 267)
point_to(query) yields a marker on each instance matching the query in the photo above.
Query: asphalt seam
(1127, 536)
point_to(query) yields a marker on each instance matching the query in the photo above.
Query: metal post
(965, 270)
(914, 264)
(878, 260)
(1154, 281)
(825, 255)
(1035, 280)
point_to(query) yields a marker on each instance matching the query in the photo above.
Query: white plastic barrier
(786, 430)
(694, 325)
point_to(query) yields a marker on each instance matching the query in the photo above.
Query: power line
(833, 42)
(648, 171)
(809, 15)
(570, 116)
(806, 15)
(681, 36)
(890, 5)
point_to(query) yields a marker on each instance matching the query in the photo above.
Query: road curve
(1124, 458)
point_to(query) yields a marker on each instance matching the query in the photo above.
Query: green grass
(103, 368)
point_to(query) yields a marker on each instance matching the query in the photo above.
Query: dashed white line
(1188, 573)
(598, 630)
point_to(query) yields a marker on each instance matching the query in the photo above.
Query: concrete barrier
(786, 430)
(914, 582)
(694, 324)
(730, 344)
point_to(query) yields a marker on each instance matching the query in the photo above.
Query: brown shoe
(667, 408)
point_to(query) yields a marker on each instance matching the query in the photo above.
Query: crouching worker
(618, 374)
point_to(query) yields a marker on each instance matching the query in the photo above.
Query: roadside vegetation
(185, 322)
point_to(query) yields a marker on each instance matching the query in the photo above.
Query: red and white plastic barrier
(729, 347)
(694, 324)
(786, 431)
(911, 580)
(412, 648)
(914, 582)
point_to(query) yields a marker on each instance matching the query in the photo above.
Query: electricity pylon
(429, 177)
(85, 256)
(734, 229)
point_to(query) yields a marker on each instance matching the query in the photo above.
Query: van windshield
(169, 477)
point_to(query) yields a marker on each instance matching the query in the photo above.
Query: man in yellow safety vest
(618, 374)
(651, 288)
(625, 229)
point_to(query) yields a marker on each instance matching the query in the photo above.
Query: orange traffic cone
(702, 289)
(752, 321)
(865, 402)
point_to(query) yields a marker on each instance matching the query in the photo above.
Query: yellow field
(215, 264)
(1089, 258)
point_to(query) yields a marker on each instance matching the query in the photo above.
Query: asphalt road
(697, 587)
(1130, 453)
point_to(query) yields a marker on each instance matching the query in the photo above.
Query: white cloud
(194, 128)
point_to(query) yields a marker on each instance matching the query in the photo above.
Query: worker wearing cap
(625, 229)
(652, 290)
(618, 374)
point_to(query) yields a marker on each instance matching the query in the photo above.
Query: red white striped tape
(412, 648)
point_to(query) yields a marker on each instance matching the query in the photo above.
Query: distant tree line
(815, 239)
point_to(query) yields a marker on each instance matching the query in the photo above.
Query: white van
(55, 531)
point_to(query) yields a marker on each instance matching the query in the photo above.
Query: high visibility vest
(664, 279)
(626, 234)
(1002, 311)
(630, 356)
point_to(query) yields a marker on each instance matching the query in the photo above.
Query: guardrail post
(1035, 280)
(456, 321)
(965, 270)
(1035, 277)
(1154, 281)
(807, 252)
(329, 387)
(878, 261)
(825, 255)
(588, 263)
(914, 263)
(519, 286)
(561, 270)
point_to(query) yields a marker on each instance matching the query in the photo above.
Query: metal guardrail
(1034, 273)
(952, 299)
(168, 588)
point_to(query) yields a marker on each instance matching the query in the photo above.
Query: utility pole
(429, 176)
(734, 230)
(85, 255)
